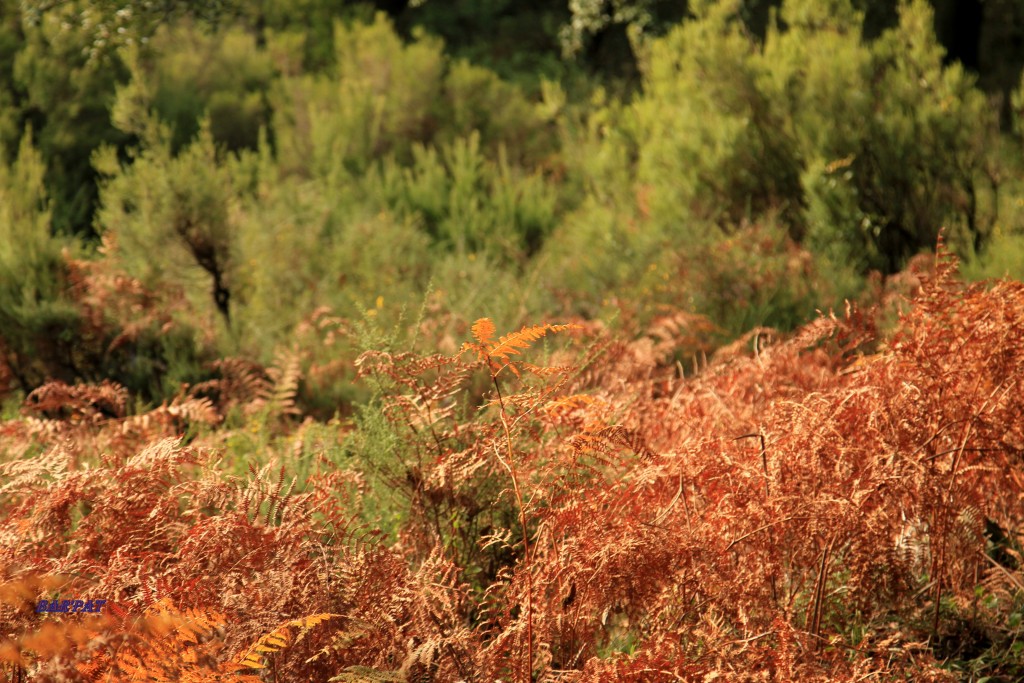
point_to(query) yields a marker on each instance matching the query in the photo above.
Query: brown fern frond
(169, 644)
(606, 439)
(23, 474)
(341, 639)
(285, 375)
(57, 400)
(240, 382)
(262, 493)
(680, 333)
(366, 674)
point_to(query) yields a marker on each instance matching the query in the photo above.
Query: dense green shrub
(66, 92)
(860, 150)
(171, 216)
(475, 99)
(191, 74)
(712, 140)
(895, 144)
(469, 203)
(274, 169)
(384, 97)
(72, 320)
(600, 255)
(10, 44)
(37, 320)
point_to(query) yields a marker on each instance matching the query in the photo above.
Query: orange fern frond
(483, 330)
(279, 639)
(498, 353)
(262, 492)
(177, 645)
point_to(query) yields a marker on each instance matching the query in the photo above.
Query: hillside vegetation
(510, 341)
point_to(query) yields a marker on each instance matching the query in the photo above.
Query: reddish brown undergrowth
(831, 506)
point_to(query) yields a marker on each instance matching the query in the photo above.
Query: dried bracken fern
(168, 644)
(823, 506)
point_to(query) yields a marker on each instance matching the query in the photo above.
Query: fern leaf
(277, 640)
(483, 330)
(510, 344)
(364, 674)
(285, 375)
(341, 639)
(499, 354)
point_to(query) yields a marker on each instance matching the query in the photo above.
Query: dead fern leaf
(341, 639)
(365, 674)
(285, 375)
(176, 645)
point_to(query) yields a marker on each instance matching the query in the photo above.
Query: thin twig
(760, 529)
(1013, 579)
(668, 508)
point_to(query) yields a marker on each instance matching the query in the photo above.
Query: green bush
(468, 203)
(712, 141)
(10, 44)
(191, 74)
(171, 218)
(66, 92)
(381, 100)
(867, 148)
(859, 151)
(758, 277)
(600, 255)
(895, 144)
(1003, 257)
(37, 319)
(476, 100)
(384, 97)
(65, 318)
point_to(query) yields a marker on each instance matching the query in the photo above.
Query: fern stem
(510, 466)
